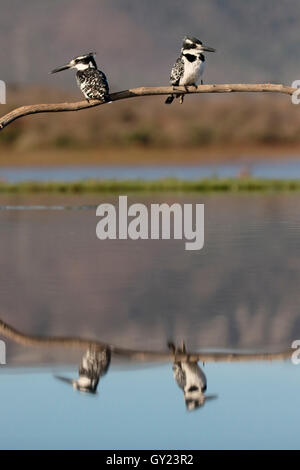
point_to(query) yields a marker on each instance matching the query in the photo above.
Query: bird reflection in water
(190, 378)
(94, 365)
(96, 361)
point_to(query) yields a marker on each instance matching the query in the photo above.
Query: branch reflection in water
(97, 358)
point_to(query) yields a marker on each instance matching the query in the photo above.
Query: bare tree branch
(8, 331)
(145, 91)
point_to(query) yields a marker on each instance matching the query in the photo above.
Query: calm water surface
(241, 292)
(286, 169)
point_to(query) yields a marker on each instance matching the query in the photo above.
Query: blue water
(240, 292)
(287, 169)
(257, 408)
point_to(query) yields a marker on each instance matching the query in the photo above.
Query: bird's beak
(207, 49)
(64, 379)
(63, 67)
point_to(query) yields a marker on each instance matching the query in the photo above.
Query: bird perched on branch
(189, 67)
(93, 366)
(91, 81)
(190, 378)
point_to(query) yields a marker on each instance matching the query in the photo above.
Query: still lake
(240, 292)
(287, 168)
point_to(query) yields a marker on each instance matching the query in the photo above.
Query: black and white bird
(189, 67)
(91, 81)
(190, 378)
(93, 366)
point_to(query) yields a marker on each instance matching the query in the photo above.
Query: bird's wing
(179, 374)
(99, 81)
(105, 357)
(177, 71)
(93, 83)
(101, 77)
(95, 363)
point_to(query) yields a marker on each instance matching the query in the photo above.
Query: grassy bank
(164, 185)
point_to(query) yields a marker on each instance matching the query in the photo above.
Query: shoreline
(147, 156)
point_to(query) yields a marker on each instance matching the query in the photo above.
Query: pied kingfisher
(190, 378)
(91, 81)
(189, 66)
(93, 366)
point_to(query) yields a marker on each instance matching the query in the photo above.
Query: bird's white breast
(193, 375)
(192, 71)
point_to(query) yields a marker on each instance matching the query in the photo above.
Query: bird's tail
(171, 346)
(170, 99)
(107, 99)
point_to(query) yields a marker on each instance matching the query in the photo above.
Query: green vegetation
(168, 185)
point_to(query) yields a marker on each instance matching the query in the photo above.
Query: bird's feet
(175, 350)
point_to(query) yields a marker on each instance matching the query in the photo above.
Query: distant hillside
(138, 40)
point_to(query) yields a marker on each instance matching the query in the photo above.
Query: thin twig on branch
(8, 331)
(145, 91)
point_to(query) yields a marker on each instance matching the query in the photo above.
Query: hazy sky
(137, 41)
